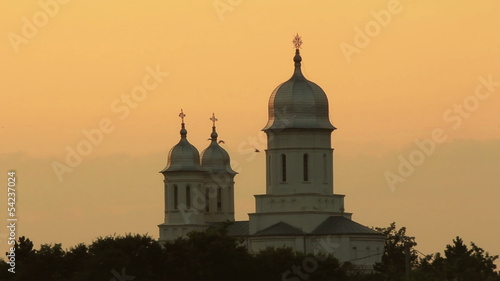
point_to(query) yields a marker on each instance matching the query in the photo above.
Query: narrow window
(325, 174)
(269, 169)
(176, 198)
(219, 200)
(230, 202)
(207, 201)
(306, 167)
(283, 167)
(188, 197)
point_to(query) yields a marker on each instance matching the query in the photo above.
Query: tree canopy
(213, 255)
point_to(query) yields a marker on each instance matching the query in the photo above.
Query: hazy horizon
(413, 89)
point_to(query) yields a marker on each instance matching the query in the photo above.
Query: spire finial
(182, 115)
(297, 41)
(213, 119)
(214, 134)
(183, 129)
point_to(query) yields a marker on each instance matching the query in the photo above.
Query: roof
(342, 225)
(280, 229)
(215, 158)
(333, 225)
(183, 156)
(298, 104)
(238, 228)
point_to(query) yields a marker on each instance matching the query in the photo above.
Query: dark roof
(298, 104)
(238, 228)
(333, 225)
(342, 225)
(279, 229)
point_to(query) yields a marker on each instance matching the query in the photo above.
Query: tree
(397, 243)
(209, 255)
(213, 255)
(286, 264)
(459, 263)
(137, 256)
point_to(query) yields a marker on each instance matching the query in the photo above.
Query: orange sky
(69, 66)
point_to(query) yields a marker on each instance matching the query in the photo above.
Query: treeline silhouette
(213, 255)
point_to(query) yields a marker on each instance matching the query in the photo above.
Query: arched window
(306, 167)
(188, 197)
(325, 169)
(176, 197)
(283, 167)
(219, 199)
(355, 252)
(207, 200)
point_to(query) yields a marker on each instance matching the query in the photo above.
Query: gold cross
(213, 119)
(182, 115)
(297, 41)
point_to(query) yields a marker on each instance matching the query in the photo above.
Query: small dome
(214, 158)
(298, 104)
(183, 156)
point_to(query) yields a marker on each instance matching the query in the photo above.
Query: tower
(300, 209)
(219, 188)
(299, 157)
(184, 181)
(197, 193)
(299, 154)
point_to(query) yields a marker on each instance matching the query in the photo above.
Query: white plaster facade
(299, 210)
(198, 192)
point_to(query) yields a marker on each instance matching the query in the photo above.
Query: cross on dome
(213, 119)
(214, 134)
(183, 127)
(297, 41)
(182, 115)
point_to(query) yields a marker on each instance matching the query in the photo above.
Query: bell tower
(198, 193)
(184, 181)
(299, 157)
(219, 188)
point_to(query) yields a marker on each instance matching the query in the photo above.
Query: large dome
(183, 156)
(214, 158)
(298, 104)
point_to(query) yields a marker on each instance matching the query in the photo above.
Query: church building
(299, 210)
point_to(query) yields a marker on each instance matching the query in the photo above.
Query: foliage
(458, 263)
(286, 264)
(209, 255)
(213, 255)
(393, 264)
